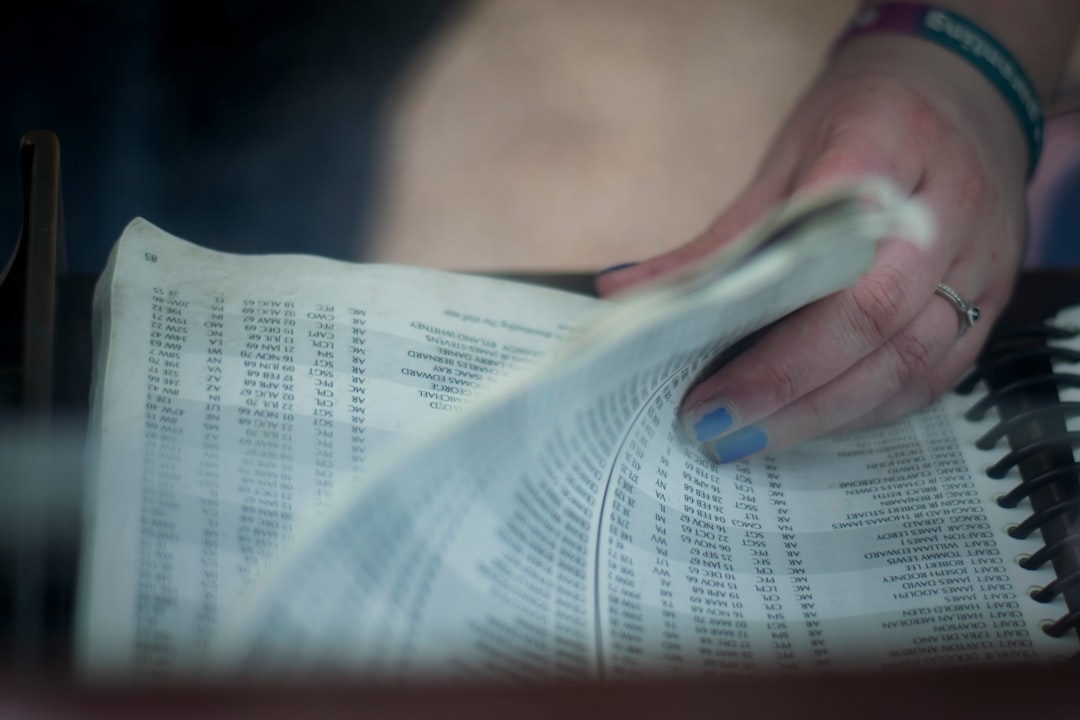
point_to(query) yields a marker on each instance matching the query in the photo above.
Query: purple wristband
(966, 39)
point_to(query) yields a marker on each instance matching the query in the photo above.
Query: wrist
(942, 29)
(940, 87)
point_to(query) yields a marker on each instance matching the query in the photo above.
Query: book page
(567, 531)
(883, 548)
(629, 555)
(238, 396)
(392, 518)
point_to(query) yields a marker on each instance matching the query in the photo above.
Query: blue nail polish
(615, 268)
(740, 444)
(713, 423)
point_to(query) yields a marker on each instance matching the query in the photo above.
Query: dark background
(245, 125)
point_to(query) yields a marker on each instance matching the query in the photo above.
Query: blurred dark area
(244, 125)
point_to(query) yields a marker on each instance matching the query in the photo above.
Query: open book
(309, 464)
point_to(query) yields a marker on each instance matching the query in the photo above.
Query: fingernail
(614, 268)
(740, 444)
(712, 420)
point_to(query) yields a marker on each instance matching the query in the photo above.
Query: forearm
(1039, 33)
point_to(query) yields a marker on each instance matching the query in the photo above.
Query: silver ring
(968, 314)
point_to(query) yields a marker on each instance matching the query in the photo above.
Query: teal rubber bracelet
(961, 36)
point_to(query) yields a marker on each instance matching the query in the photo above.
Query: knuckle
(850, 114)
(926, 128)
(843, 158)
(781, 380)
(878, 301)
(921, 117)
(847, 152)
(914, 357)
(819, 415)
(971, 188)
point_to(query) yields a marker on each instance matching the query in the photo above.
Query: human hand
(900, 108)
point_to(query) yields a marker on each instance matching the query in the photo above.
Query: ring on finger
(968, 314)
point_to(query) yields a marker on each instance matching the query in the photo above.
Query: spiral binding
(992, 399)
(996, 433)
(1049, 352)
(1012, 498)
(1004, 353)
